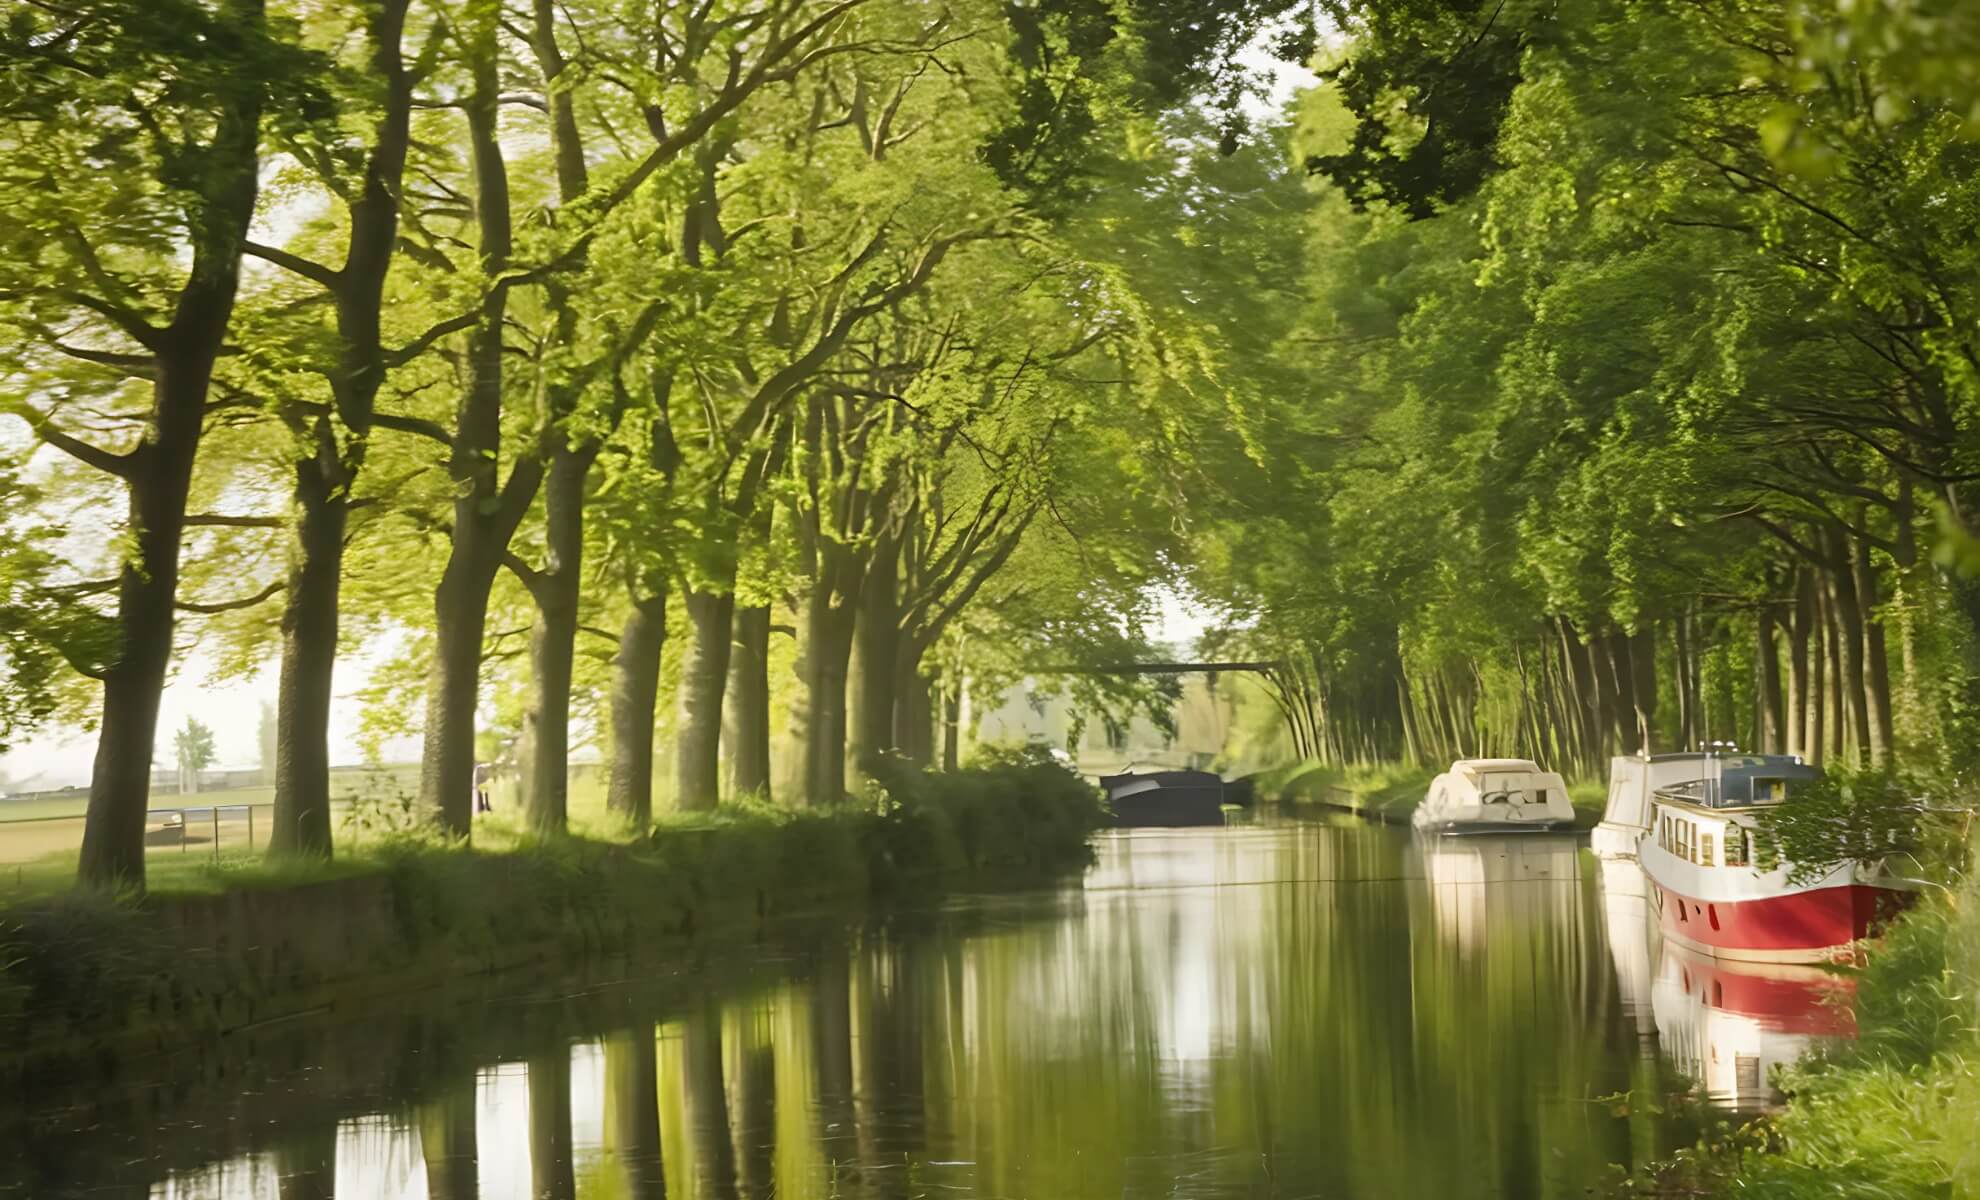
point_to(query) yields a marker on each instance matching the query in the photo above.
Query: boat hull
(1816, 925)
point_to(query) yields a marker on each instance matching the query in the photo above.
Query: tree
(134, 135)
(194, 749)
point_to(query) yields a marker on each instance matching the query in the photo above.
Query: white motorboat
(1495, 795)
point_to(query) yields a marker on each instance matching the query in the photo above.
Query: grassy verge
(1390, 792)
(1893, 1113)
(238, 943)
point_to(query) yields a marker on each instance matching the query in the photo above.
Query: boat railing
(1703, 792)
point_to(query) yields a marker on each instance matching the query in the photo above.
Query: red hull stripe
(1801, 1000)
(1814, 920)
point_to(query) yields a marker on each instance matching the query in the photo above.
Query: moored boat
(1165, 798)
(1633, 783)
(1720, 892)
(1494, 795)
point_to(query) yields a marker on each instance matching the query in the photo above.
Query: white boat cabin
(1496, 795)
(1708, 781)
(1707, 820)
(1633, 784)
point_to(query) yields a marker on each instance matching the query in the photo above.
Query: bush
(1011, 810)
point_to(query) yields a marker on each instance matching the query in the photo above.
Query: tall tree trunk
(1687, 697)
(486, 511)
(635, 702)
(914, 706)
(1818, 658)
(873, 671)
(1412, 749)
(453, 689)
(120, 781)
(818, 714)
(704, 677)
(1768, 664)
(552, 1174)
(1799, 622)
(1838, 707)
(1850, 644)
(553, 640)
(632, 1081)
(1643, 684)
(324, 480)
(309, 658)
(158, 477)
(1581, 693)
(1876, 658)
(746, 704)
(952, 704)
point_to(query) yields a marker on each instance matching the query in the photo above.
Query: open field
(40, 850)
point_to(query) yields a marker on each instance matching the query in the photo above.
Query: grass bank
(237, 945)
(1390, 792)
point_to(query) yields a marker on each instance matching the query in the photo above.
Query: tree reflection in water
(1289, 1009)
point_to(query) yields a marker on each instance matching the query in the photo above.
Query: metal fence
(207, 830)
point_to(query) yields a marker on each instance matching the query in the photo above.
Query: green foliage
(1009, 810)
(1841, 818)
(1428, 84)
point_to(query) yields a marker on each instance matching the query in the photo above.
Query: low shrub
(1015, 810)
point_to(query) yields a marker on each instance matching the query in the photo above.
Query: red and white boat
(1716, 896)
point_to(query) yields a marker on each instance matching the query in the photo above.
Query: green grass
(346, 783)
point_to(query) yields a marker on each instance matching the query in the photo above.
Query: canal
(1300, 1009)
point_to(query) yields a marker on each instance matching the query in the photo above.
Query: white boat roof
(1472, 766)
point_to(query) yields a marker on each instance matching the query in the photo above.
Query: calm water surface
(1292, 1010)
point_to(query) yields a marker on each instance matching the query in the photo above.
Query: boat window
(1746, 1072)
(1705, 856)
(1735, 848)
(1769, 789)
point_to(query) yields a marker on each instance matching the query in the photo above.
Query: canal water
(1301, 1009)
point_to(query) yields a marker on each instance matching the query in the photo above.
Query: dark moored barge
(1165, 798)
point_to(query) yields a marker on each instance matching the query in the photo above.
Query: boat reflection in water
(1727, 1024)
(1529, 880)
(1722, 1023)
